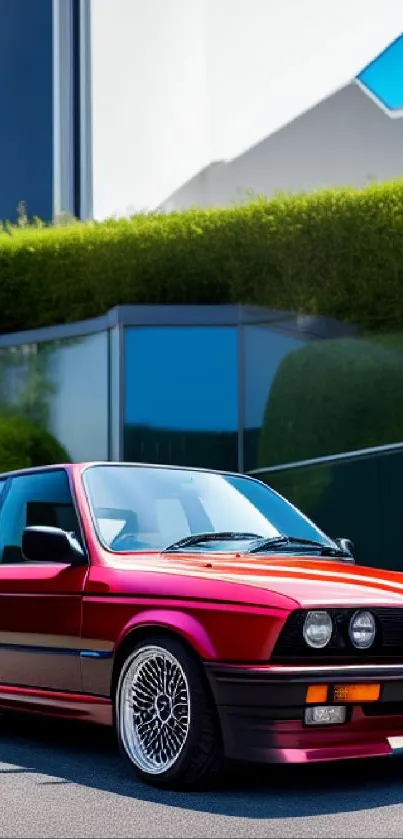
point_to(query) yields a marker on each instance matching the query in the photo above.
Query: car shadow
(67, 753)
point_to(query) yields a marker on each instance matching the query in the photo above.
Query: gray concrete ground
(69, 781)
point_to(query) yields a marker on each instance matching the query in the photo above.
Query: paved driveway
(69, 781)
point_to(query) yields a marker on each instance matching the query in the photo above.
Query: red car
(199, 613)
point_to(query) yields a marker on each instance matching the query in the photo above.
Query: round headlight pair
(318, 629)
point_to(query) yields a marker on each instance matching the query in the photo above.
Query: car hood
(308, 581)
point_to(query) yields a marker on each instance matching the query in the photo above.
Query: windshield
(146, 508)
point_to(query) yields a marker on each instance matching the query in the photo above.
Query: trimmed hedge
(23, 444)
(336, 252)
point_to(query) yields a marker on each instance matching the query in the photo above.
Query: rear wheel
(165, 718)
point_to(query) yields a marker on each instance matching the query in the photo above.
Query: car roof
(34, 469)
(80, 466)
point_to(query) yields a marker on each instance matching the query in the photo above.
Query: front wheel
(165, 719)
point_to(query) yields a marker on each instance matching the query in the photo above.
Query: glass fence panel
(62, 386)
(181, 396)
(310, 398)
(345, 500)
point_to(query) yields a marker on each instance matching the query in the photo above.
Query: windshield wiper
(279, 541)
(223, 536)
(261, 543)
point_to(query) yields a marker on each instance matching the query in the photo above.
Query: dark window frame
(9, 478)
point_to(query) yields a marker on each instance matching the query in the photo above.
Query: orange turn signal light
(316, 694)
(356, 693)
(319, 694)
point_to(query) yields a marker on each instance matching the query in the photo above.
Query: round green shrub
(23, 445)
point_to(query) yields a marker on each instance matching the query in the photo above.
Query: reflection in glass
(264, 351)
(334, 396)
(61, 386)
(181, 396)
(330, 397)
(345, 498)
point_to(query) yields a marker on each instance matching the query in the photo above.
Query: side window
(43, 498)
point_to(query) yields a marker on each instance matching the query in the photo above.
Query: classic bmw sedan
(199, 613)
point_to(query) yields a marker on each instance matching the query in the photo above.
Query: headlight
(318, 628)
(362, 630)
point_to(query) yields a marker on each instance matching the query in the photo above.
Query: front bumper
(261, 711)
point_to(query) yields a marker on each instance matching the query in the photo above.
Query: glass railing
(358, 495)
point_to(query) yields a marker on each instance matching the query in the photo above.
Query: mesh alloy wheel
(165, 718)
(155, 709)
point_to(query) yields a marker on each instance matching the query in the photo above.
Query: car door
(40, 603)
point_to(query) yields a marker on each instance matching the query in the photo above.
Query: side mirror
(51, 544)
(346, 545)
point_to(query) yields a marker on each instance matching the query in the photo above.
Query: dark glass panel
(327, 397)
(359, 499)
(26, 106)
(181, 396)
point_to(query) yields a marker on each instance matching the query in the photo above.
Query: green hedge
(23, 444)
(335, 252)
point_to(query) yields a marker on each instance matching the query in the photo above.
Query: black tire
(200, 762)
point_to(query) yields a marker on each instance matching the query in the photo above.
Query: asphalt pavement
(63, 780)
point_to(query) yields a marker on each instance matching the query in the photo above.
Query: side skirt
(50, 703)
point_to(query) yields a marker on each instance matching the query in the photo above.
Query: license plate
(396, 743)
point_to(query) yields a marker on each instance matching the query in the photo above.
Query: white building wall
(178, 85)
(347, 140)
(149, 101)
(271, 60)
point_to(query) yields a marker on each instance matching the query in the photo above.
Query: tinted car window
(42, 498)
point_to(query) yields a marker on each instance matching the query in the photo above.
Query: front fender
(182, 624)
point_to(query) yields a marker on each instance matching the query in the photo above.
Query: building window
(384, 76)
